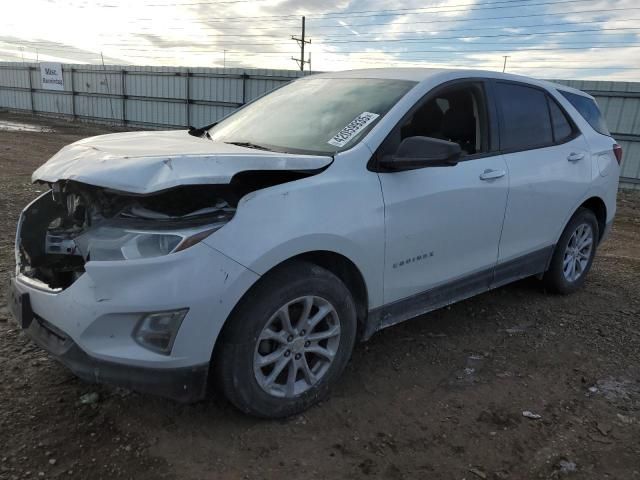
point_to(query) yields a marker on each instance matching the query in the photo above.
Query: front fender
(339, 210)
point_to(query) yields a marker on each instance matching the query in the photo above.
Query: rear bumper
(187, 384)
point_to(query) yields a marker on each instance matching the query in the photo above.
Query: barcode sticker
(353, 128)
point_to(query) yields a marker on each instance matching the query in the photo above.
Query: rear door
(549, 171)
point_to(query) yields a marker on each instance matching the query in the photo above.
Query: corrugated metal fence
(620, 103)
(138, 96)
(173, 97)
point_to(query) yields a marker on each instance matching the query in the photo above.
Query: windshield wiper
(199, 132)
(250, 145)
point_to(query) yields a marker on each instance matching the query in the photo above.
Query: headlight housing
(110, 242)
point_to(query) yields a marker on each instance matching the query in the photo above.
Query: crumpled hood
(146, 162)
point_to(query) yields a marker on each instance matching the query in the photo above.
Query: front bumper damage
(89, 324)
(186, 384)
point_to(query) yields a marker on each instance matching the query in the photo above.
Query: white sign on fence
(51, 74)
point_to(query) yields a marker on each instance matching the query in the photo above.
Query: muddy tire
(287, 342)
(574, 254)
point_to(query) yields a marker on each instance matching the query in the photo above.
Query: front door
(443, 224)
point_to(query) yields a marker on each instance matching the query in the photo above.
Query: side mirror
(420, 152)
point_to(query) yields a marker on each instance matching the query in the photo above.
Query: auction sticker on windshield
(353, 128)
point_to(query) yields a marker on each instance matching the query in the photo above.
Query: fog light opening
(157, 331)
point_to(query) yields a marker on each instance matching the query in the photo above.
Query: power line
(482, 67)
(467, 7)
(507, 17)
(225, 27)
(396, 32)
(629, 45)
(177, 4)
(422, 40)
(415, 22)
(371, 13)
(505, 35)
(445, 62)
(347, 52)
(536, 25)
(169, 5)
(131, 43)
(444, 49)
(449, 65)
(409, 11)
(354, 14)
(432, 42)
(459, 10)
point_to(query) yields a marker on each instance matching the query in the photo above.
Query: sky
(554, 39)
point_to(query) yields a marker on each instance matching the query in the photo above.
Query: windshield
(321, 115)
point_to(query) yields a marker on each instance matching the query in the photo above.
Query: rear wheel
(288, 341)
(574, 253)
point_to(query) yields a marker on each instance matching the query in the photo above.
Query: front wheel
(287, 342)
(574, 253)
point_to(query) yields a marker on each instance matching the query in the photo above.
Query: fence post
(245, 77)
(73, 96)
(188, 98)
(30, 89)
(123, 79)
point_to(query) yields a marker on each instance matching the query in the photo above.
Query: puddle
(8, 126)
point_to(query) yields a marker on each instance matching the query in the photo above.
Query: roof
(440, 74)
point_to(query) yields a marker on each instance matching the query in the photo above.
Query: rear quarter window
(562, 129)
(588, 108)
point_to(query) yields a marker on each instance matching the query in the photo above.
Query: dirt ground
(439, 397)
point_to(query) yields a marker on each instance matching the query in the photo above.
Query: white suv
(258, 250)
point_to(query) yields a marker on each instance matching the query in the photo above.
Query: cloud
(347, 27)
(15, 48)
(162, 42)
(344, 33)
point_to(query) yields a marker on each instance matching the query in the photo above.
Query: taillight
(617, 151)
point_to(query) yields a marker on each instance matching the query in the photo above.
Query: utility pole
(301, 41)
(504, 67)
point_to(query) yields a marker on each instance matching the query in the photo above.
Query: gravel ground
(439, 397)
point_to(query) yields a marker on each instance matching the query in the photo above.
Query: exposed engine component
(75, 223)
(60, 242)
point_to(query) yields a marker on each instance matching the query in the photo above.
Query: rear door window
(588, 108)
(525, 123)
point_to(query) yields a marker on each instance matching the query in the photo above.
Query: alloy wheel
(578, 252)
(297, 346)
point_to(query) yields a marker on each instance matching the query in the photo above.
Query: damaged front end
(74, 223)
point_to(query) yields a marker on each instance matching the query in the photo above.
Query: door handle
(574, 157)
(489, 174)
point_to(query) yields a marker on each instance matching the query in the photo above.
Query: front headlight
(116, 243)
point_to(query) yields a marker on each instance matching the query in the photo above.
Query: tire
(256, 341)
(558, 279)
